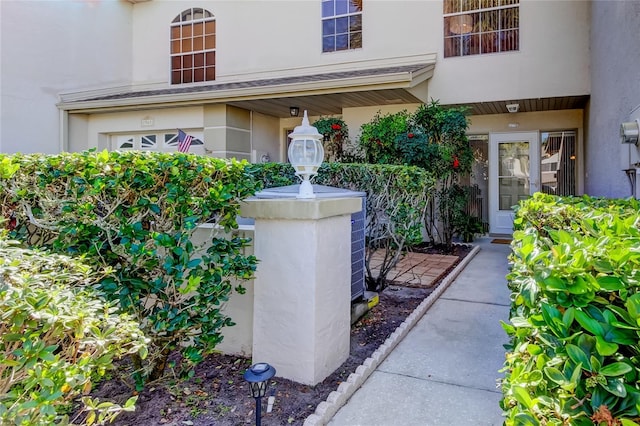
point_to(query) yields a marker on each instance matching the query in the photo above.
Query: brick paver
(416, 269)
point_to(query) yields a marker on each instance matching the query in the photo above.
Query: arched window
(193, 46)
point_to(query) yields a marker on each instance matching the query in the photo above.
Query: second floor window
(193, 47)
(473, 27)
(341, 25)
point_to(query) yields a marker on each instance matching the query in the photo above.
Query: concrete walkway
(444, 372)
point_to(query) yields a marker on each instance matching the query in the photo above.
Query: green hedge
(135, 212)
(56, 337)
(396, 200)
(574, 356)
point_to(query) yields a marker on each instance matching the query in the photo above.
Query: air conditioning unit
(358, 222)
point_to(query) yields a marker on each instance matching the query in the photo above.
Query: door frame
(499, 219)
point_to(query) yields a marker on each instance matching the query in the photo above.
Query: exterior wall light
(513, 107)
(294, 111)
(306, 154)
(629, 132)
(257, 376)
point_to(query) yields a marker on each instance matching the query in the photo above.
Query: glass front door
(514, 170)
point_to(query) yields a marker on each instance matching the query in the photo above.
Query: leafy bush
(433, 138)
(337, 144)
(56, 337)
(378, 137)
(136, 212)
(574, 356)
(396, 200)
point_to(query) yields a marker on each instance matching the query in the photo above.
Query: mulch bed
(218, 395)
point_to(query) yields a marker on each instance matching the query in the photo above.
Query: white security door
(514, 174)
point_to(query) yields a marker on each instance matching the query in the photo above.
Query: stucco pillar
(302, 289)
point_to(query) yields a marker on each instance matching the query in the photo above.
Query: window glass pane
(148, 141)
(470, 44)
(558, 163)
(210, 75)
(451, 6)
(328, 44)
(470, 5)
(198, 29)
(355, 40)
(355, 6)
(328, 27)
(327, 8)
(175, 33)
(198, 74)
(355, 23)
(490, 43)
(509, 18)
(175, 63)
(451, 46)
(342, 7)
(198, 13)
(210, 27)
(186, 31)
(509, 41)
(186, 45)
(198, 60)
(342, 42)
(209, 42)
(187, 61)
(175, 77)
(187, 76)
(210, 58)
(175, 46)
(198, 44)
(489, 21)
(342, 25)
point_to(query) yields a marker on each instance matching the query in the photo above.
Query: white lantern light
(305, 154)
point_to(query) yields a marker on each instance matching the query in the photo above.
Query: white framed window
(341, 25)
(475, 27)
(193, 46)
(160, 142)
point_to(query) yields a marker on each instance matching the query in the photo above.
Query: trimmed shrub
(56, 337)
(574, 355)
(136, 212)
(397, 197)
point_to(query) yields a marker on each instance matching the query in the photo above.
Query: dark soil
(218, 395)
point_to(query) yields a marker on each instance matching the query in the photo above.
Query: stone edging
(336, 399)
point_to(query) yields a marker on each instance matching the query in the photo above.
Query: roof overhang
(321, 93)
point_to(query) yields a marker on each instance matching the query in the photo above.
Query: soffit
(527, 105)
(320, 94)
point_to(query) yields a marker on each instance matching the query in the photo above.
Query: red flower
(410, 135)
(456, 163)
(336, 127)
(378, 142)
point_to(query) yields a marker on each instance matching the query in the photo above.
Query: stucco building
(127, 74)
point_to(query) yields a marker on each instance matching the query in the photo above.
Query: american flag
(184, 141)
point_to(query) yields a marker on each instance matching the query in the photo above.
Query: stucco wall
(48, 47)
(615, 92)
(259, 39)
(553, 59)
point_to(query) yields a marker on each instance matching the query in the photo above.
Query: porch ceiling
(328, 104)
(527, 105)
